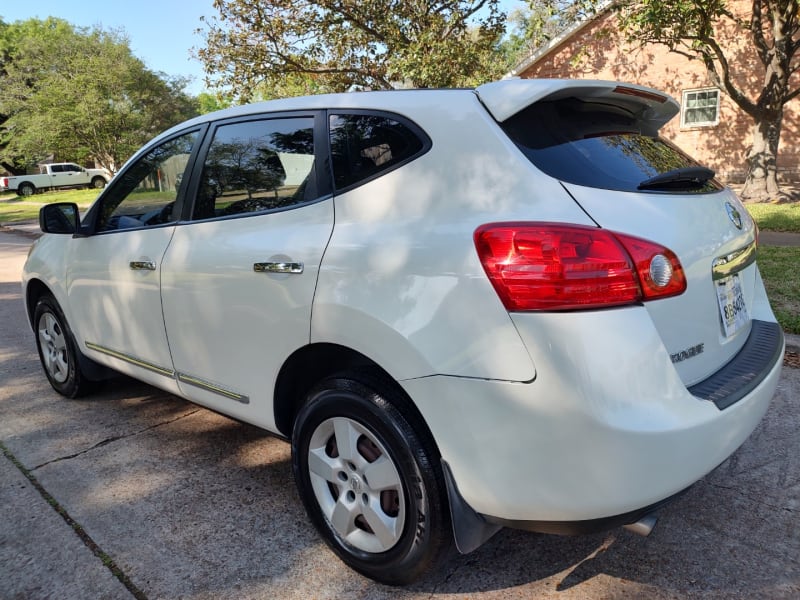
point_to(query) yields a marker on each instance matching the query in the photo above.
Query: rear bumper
(587, 526)
(606, 431)
(762, 350)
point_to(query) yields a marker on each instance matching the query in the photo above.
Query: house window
(700, 108)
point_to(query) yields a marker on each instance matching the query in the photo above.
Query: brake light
(3, 181)
(553, 266)
(629, 91)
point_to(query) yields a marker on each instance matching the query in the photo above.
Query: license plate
(732, 307)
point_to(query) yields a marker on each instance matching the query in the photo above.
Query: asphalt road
(183, 503)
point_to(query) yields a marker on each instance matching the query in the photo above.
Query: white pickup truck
(55, 175)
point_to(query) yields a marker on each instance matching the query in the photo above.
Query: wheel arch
(34, 290)
(23, 184)
(309, 365)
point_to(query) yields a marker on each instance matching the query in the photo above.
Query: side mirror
(59, 217)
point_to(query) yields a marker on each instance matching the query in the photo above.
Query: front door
(114, 274)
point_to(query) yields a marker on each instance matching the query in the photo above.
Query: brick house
(710, 127)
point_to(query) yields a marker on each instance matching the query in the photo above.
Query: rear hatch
(600, 140)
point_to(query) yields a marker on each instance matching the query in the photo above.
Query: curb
(792, 342)
(30, 230)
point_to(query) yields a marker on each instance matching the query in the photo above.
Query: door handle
(142, 265)
(294, 268)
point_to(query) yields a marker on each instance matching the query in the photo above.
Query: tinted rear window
(364, 146)
(596, 145)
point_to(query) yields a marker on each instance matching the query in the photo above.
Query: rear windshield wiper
(684, 178)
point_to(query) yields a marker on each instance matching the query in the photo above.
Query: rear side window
(364, 146)
(258, 165)
(599, 145)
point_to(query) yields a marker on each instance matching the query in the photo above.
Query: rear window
(602, 146)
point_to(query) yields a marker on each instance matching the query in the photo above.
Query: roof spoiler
(504, 99)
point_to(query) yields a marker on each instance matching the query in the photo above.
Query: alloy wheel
(357, 485)
(54, 347)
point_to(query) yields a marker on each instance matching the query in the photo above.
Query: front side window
(145, 194)
(364, 146)
(256, 166)
(700, 108)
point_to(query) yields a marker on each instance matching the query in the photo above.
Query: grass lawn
(15, 209)
(776, 217)
(780, 265)
(780, 269)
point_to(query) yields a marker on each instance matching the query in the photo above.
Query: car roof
(356, 100)
(501, 98)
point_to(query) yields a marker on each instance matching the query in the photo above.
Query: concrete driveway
(134, 493)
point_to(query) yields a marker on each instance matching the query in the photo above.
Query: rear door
(239, 276)
(707, 325)
(602, 144)
(58, 176)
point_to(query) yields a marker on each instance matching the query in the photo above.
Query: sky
(161, 32)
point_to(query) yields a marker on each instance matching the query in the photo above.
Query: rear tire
(58, 351)
(26, 189)
(98, 183)
(370, 479)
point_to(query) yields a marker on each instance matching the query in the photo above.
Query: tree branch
(757, 29)
(791, 95)
(357, 21)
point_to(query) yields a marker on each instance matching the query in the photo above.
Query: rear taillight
(552, 266)
(3, 181)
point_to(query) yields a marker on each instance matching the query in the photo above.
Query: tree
(79, 94)
(7, 46)
(696, 29)
(532, 26)
(293, 47)
(208, 102)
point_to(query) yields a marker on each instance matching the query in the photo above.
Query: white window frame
(685, 107)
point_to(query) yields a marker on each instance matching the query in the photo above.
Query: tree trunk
(761, 184)
(12, 168)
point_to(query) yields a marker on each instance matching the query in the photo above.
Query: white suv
(467, 309)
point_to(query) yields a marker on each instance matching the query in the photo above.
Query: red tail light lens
(552, 266)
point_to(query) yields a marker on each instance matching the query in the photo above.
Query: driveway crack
(115, 438)
(96, 550)
(762, 500)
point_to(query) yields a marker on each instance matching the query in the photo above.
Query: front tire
(58, 351)
(370, 480)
